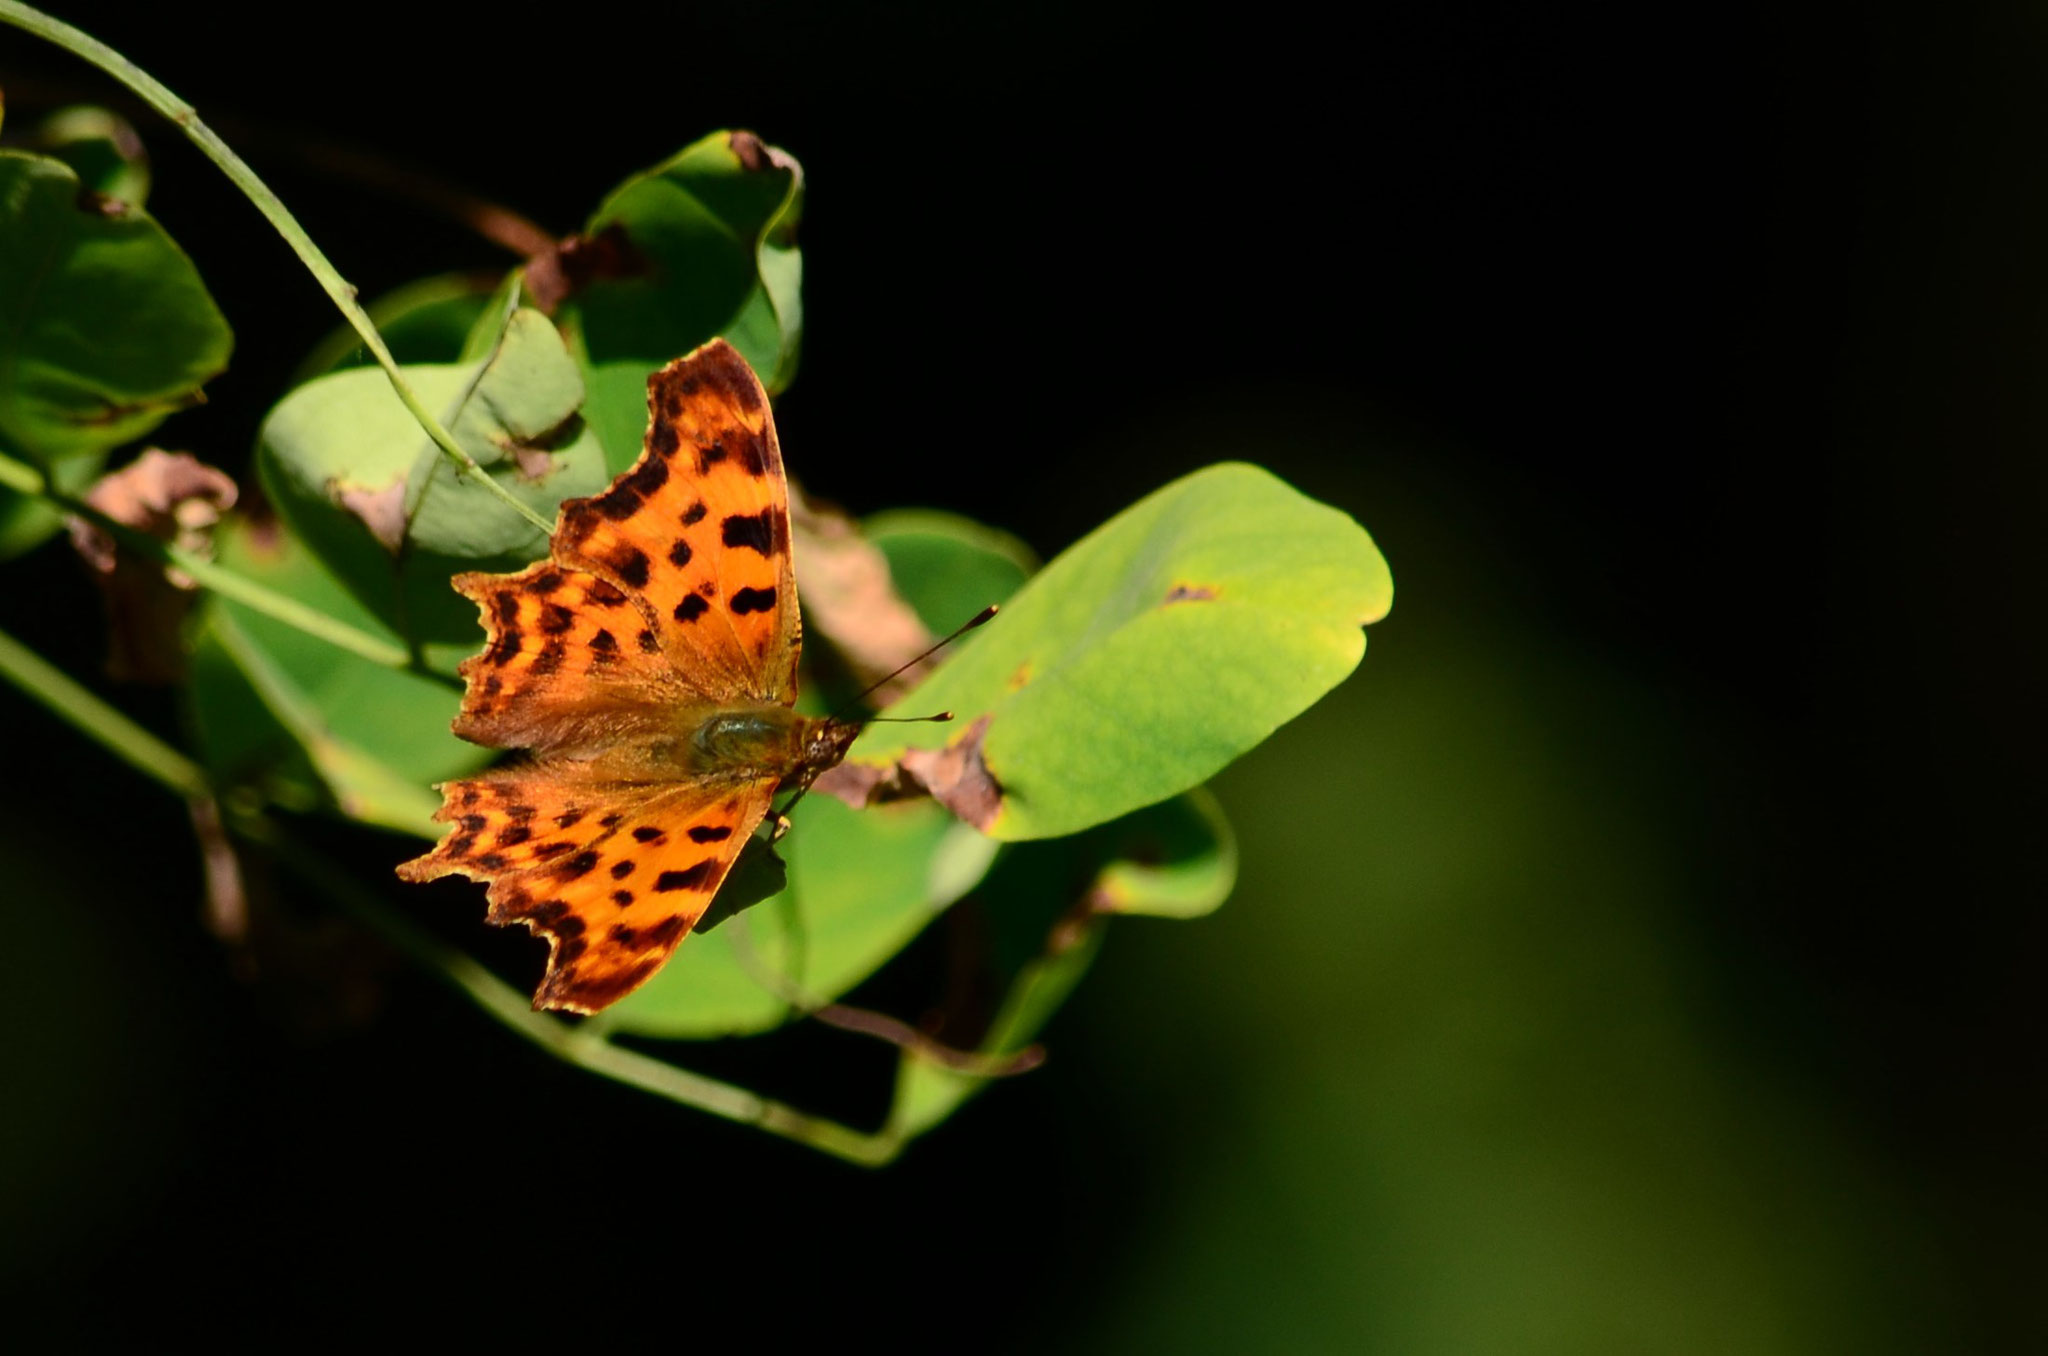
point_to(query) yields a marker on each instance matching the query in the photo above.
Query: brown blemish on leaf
(556, 274)
(1020, 677)
(1190, 593)
(94, 203)
(382, 510)
(753, 155)
(861, 785)
(955, 776)
(174, 498)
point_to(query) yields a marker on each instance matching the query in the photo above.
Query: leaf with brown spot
(175, 498)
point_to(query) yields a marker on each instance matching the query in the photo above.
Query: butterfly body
(648, 670)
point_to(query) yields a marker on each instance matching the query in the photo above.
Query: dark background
(1639, 953)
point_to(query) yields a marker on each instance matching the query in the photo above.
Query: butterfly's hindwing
(613, 873)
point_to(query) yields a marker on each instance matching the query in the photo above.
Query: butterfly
(647, 670)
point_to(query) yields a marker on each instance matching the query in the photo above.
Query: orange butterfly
(649, 668)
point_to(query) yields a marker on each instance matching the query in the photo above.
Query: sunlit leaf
(1151, 653)
(701, 245)
(349, 468)
(376, 737)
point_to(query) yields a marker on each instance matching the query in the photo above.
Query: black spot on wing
(755, 531)
(662, 438)
(691, 608)
(679, 554)
(646, 833)
(698, 877)
(509, 642)
(631, 564)
(752, 600)
(693, 515)
(650, 475)
(752, 454)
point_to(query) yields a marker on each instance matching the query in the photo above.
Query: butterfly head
(825, 744)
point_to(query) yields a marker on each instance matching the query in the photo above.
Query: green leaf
(426, 321)
(701, 245)
(1153, 652)
(100, 146)
(350, 470)
(947, 567)
(271, 703)
(861, 885)
(108, 327)
(1046, 908)
(1176, 859)
(26, 523)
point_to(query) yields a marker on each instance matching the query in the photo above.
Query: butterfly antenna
(976, 620)
(780, 818)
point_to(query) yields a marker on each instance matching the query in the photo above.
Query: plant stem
(577, 1045)
(163, 764)
(86, 712)
(338, 289)
(27, 480)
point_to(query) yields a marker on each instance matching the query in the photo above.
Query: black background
(1706, 339)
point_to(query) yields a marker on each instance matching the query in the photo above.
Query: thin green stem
(580, 1046)
(867, 1022)
(85, 711)
(256, 597)
(106, 726)
(338, 289)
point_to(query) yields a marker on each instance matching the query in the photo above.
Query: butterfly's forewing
(569, 660)
(614, 872)
(698, 531)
